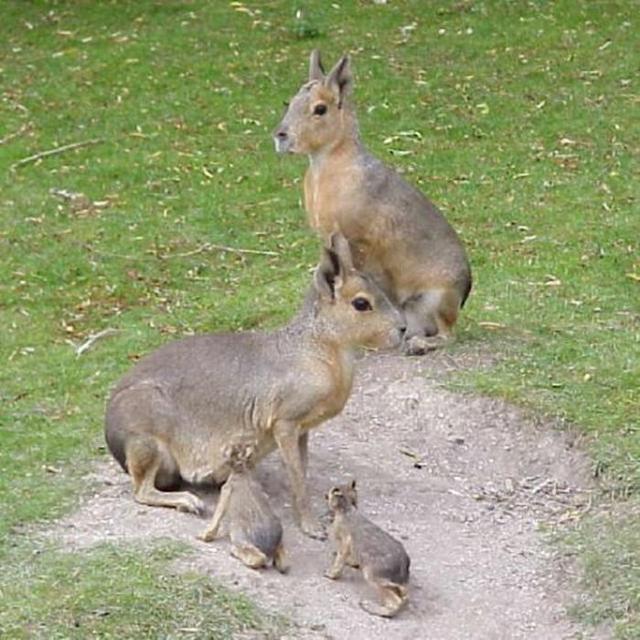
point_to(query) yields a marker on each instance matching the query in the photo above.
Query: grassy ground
(518, 119)
(117, 593)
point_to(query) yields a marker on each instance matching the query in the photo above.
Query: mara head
(351, 308)
(342, 497)
(240, 454)
(317, 117)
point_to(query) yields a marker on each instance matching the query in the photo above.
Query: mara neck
(310, 330)
(346, 148)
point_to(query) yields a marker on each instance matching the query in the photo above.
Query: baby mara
(362, 544)
(255, 531)
(170, 418)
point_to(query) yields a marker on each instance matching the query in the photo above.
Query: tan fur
(361, 544)
(170, 418)
(397, 235)
(255, 531)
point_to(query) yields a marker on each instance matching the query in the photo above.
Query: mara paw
(313, 529)
(419, 345)
(190, 504)
(377, 610)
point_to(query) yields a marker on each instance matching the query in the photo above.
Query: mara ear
(341, 247)
(316, 70)
(340, 79)
(248, 451)
(354, 493)
(334, 265)
(328, 276)
(227, 452)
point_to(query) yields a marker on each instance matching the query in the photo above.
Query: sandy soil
(465, 482)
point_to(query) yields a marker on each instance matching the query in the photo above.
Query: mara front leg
(339, 562)
(213, 530)
(287, 437)
(303, 446)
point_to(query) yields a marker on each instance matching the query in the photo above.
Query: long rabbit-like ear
(334, 265)
(342, 249)
(340, 79)
(327, 276)
(316, 70)
(353, 493)
(228, 452)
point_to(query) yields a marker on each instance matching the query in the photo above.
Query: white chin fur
(282, 146)
(395, 340)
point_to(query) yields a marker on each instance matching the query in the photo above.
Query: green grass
(118, 593)
(528, 138)
(608, 549)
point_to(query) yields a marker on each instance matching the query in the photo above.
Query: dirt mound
(465, 482)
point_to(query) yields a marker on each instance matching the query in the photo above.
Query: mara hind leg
(279, 559)
(249, 555)
(352, 560)
(152, 468)
(430, 318)
(392, 596)
(393, 600)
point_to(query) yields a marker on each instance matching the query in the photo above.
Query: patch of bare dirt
(464, 481)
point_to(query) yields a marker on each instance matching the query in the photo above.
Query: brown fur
(397, 235)
(170, 418)
(361, 544)
(255, 531)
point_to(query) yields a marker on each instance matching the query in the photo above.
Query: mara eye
(320, 110)
(361, 304)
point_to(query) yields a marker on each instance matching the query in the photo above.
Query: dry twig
(15, 134)
(53, 152)
(208, 246)
(92, 339)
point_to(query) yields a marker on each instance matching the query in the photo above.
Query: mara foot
(419, 345)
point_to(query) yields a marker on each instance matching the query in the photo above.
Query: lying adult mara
(397, 235)
(172, 416)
